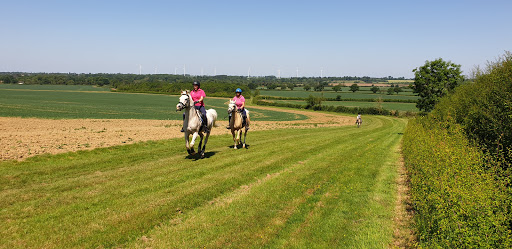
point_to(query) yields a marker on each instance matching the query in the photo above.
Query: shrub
(457, 203)
(484, 109)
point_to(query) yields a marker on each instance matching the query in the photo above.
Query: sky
(257, 38)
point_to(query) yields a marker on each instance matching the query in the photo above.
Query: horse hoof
(202, 155)
(243, 146)
(235, 147)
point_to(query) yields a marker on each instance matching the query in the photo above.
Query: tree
(272, 86)
(336, 88)
(291, 86)
(252, 85)
(434, 80)
(390, 91)
(313, 102)
(307, 87)
(8, 79)
(374, 89)
(397, 89)
(354, 88)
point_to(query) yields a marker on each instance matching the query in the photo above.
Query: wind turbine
(297, 72)
(321, 72)
(249, 72)
(175, 70)
(279, 73)
(184, 71)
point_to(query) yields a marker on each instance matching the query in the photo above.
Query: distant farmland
(72, 102)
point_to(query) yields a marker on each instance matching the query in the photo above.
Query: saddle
(200, 116)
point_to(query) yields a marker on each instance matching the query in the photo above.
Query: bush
(457, 203)
(484, 109)
(314, 102)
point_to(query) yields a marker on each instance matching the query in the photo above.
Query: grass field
(386, 105)
(58, 102)
(302, 188)
(344, 94)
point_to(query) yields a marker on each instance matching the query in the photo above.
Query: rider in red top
(198, 96)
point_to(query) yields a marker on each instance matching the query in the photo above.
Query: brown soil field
(21, 138)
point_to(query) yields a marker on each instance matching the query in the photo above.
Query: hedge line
(341, 109)
(339, 99)
(457, 202)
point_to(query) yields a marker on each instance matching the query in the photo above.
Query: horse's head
(231, 106)
(184, 101)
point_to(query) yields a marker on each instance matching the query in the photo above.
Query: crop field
(74, 102)
(343, 94)
(386, 105)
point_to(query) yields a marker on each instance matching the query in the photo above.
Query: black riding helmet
(196, 83)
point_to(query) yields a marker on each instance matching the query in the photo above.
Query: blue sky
(335, 38)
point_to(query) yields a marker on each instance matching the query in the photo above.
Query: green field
(386, 105)
(299, 188)
(72, 102)
(344, 94)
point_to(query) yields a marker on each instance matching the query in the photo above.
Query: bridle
(184, 105)
(231, 108)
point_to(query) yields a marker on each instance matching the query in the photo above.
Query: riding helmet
(238, 90)
(196, 83)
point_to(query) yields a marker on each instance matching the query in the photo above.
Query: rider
(198, 96)
(359, 118)
(240, 106)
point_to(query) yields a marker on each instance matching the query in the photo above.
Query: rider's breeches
(203, 112)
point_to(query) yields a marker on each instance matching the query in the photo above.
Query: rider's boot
(229, 123)
(182, 128)
(205, 125)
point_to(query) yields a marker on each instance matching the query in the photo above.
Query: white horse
(359, 121)
(192, 123)
(236, 123)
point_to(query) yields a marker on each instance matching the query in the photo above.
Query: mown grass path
(321, 187)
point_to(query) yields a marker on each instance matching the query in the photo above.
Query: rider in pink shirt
(240, 106)
(198, 96)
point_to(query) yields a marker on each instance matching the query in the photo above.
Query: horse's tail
(212, 116)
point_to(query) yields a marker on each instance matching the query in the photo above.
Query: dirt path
(21, 138)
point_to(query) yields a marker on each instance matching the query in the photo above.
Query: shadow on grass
(239, 146)
(197, 156)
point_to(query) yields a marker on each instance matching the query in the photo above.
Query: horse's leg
(245, 136)
(187, 142)
(234, 137)
(194, 137)
(200, 142)
(204, 146)
(239, 136)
